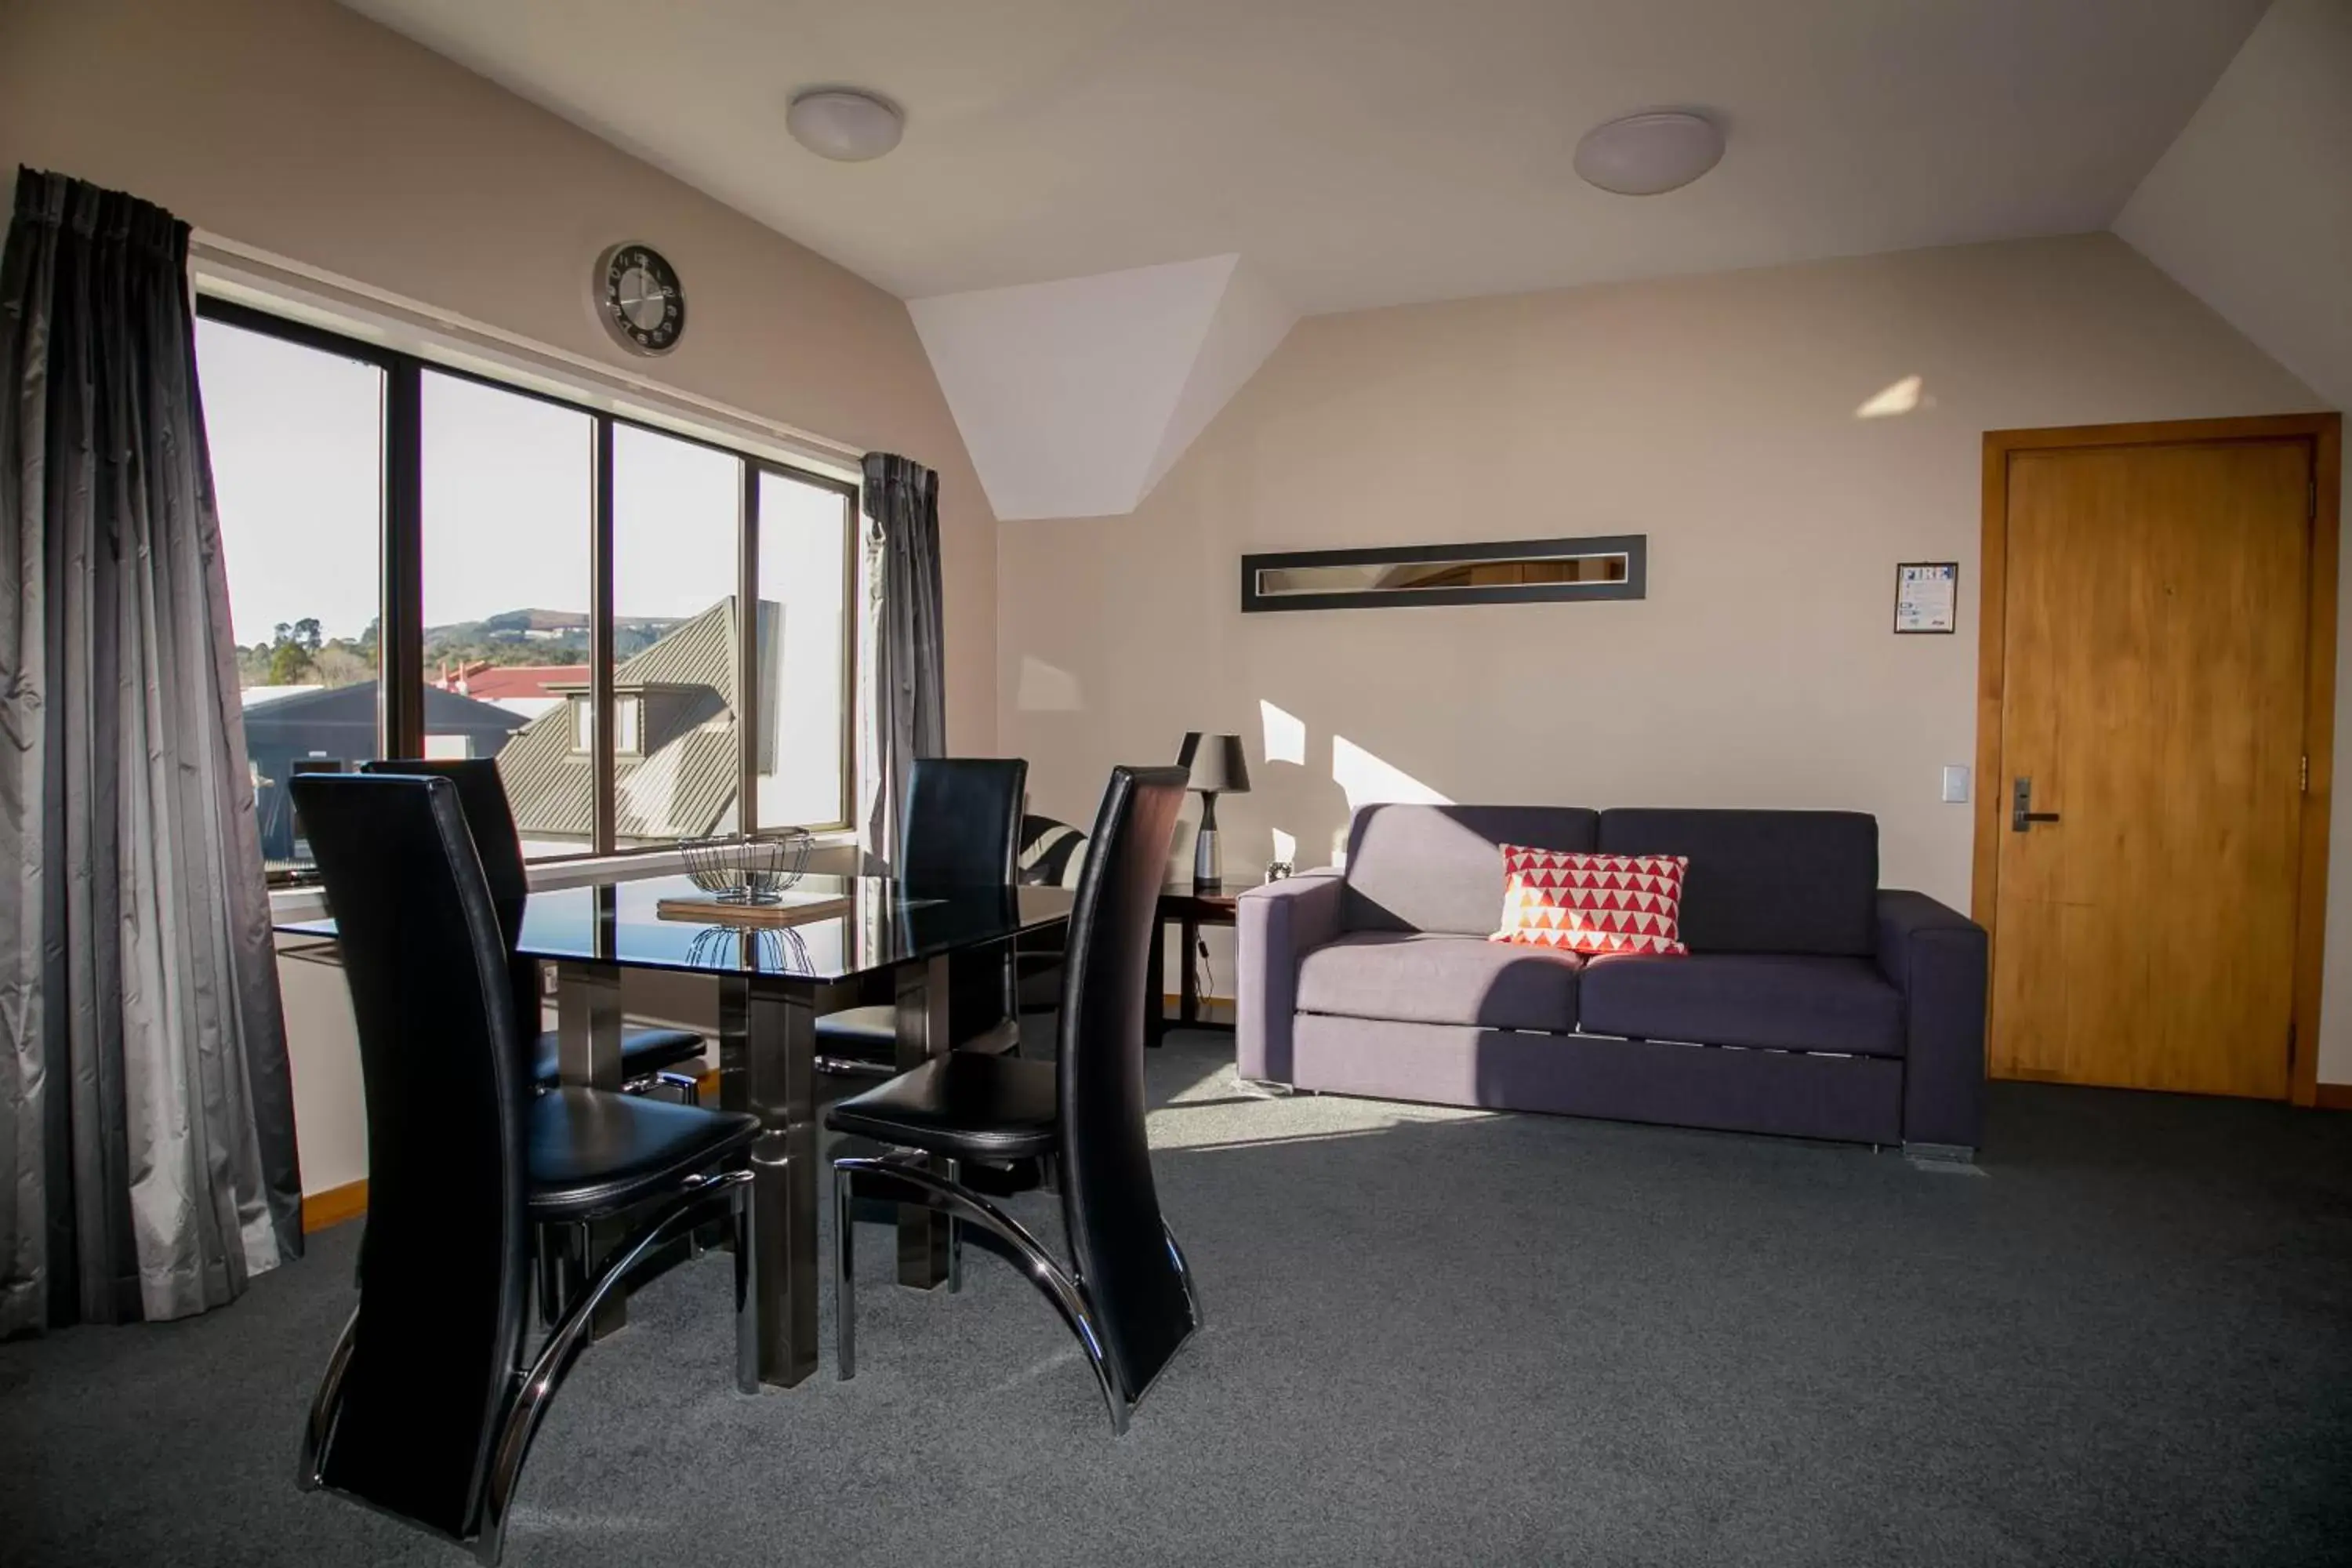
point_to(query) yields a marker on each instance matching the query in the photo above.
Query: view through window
(803, 762)
(508, 521)
(334, 458)
(297, 440)
(676, 512)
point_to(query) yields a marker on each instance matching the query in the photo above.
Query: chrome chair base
(850, 1066)
(726, 1195)
(688, 1087)
(906, 1177)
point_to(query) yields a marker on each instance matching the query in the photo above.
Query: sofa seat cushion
(1782, 1001)
(1418, 977)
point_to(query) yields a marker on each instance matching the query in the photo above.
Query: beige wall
(1718, 416)
(311, 132)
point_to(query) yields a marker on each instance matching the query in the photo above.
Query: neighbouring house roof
(497, 682)
(340, 721)
(254, 696)
(688, 775)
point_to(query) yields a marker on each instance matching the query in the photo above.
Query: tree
(289, 664)
(307, 634)
(340, 663)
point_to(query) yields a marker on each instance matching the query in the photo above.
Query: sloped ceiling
(2251, 210)
(1370, 152)
(1074, 397)
(1067, 164)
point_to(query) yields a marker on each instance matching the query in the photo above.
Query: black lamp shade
(1216, 764)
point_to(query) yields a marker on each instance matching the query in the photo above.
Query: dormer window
(628, 725)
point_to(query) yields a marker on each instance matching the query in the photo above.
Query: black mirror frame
(1633, 547)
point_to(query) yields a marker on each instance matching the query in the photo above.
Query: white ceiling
(1364, 153)
(1075, 396)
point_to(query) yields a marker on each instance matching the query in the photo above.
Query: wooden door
(2155, 636)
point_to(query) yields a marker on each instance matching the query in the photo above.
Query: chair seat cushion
(642, 1051)
(1430, 977)
(594, 1153)
(964, 1105)
(1781, 1001)
(871, 1035)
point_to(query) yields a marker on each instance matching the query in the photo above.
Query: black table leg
(1155, 986)
(768, 1066)
(588, 1052)
(1188, 983)
(923, 1032)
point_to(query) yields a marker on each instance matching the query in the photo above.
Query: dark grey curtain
(146, 1113)
(902, 510)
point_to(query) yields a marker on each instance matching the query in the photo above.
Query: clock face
(639, 300)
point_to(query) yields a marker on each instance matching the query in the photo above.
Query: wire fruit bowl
(748, 868)
(767, 951)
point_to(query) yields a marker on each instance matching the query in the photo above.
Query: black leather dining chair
(961, 828)
(1127, 1293)
(429, 1401)
(1053, 854)
(645, 1053)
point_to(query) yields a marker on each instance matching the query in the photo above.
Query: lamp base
(1208, 865)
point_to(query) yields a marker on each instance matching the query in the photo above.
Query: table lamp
(1217, 767)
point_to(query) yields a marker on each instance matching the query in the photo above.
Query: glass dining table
(777, 967)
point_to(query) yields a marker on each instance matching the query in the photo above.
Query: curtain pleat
(146, 1111)
(901, 501)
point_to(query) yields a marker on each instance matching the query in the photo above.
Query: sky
(296, 442)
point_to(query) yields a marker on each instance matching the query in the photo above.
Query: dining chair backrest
(1052, 853)
(489, 815)
(1109, 1202)
(445, 1259)
(482, 794)
(962, 822)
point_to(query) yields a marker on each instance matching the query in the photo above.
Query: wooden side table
(1191, 908)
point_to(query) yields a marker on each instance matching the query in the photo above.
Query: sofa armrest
(1937, 958)
(1273, 926)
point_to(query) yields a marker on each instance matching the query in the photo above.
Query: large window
(296, 437)
(676, 639)
(509, 524)
(803, 746)
(383, 516)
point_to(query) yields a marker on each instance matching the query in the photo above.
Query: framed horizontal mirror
(1507, 572)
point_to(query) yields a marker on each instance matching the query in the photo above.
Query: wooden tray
(709, 911)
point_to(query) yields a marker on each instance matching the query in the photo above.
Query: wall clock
(639, 299)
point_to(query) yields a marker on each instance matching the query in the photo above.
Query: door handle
(2022, 815)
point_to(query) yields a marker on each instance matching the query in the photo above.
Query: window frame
(400, 677)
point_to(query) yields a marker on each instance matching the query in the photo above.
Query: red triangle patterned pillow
(1592, 903)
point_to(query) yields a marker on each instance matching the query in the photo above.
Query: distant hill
(509, 624)
(537, 637)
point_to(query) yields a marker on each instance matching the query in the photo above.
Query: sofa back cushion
(1440, 868)
(1764, 882)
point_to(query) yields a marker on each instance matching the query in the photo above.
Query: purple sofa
(1812, 1002)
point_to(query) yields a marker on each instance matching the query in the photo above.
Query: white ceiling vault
(1074, 397)
(1357, 153)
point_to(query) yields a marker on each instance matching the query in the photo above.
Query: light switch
(1956, 784)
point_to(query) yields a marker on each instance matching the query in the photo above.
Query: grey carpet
(1435, 1338)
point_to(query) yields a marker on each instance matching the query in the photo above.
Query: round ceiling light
(1645, 154)
(843, 123)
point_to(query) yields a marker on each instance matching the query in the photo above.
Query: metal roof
(685, 783)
